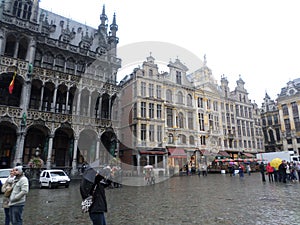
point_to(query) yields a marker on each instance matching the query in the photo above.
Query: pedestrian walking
(298, 171)
(18, 195)
(204, 170)
(270, 171)
(7, 189)
(248, 169)
(262, 171)
(282, 171)
(99, 205)
(241, 170)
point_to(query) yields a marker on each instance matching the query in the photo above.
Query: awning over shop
(223, 153)
(205, 152)
(177, 153)
(152, 152)
(249, 155)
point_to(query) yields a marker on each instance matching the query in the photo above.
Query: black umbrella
(89, 174)
(88, 178)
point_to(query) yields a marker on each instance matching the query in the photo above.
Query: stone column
(49, 156)
(42, 96)
(53, 109)
(67, 101)
(98, 150)
(74, 162)
(78, 103)
(16, 50)
(89, 105)
(19, 147)
(2, 40)
(31, 51)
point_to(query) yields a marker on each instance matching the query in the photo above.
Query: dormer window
(178, 77)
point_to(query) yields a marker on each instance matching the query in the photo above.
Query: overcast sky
(257, 39)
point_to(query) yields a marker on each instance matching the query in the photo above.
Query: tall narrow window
(143, 109)
(178, 77)
(159, 133)
(143, 89)
(158, 111)
(151, 90)
(190, 121)
(169, 117)
(189, 100)
(169, 95)
(143, 132)
(151, 132)
(151, 110)
(158, 91)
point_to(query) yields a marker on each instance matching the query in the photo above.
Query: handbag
(8, 191)
(87, 202)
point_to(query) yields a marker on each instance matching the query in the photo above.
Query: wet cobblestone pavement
(215, 199)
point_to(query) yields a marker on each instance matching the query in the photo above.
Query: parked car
(4, 174)
(54, 178)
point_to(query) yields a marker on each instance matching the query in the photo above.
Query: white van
(295, 158)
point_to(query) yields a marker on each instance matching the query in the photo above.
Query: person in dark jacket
(99, 205)
(282, 171)
(262, 171)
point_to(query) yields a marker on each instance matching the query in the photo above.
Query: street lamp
(37, 152)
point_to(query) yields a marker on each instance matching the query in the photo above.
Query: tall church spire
(103, 19)
(114, 27)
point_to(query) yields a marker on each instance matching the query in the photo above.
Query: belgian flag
(12, 83)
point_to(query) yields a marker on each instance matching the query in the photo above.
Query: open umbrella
(275, 163)
(148, 167)
(89, 174)
(88, 178)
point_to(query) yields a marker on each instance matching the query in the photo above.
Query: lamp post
(37, 152)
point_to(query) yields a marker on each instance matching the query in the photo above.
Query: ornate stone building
(181, 119)
(271, 125)
(64, 76)
(288, 103)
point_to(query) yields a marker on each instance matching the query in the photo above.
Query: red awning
(205, 152)
(152, 153)
(248, 155)
(177, 153)
(223, 153)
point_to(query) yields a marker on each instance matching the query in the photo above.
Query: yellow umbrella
(276, 162)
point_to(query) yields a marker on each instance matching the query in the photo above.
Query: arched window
(48, 60)
(169, 95)
(180, 97)
(70, 66)
(192, 140)
(170, 139)
(180, 120)
(60, 63)
(22, 10)
(189, 100)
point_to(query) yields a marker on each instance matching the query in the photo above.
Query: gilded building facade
(64, 76)
(271, 125)
(182, 118)
(288, 103)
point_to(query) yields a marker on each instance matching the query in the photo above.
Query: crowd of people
(286, 172)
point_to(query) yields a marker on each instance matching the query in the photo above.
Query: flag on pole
(12, 83)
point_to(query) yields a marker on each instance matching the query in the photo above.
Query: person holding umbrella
(97, 190)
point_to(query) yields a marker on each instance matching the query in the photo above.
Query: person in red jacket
(270, 171)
